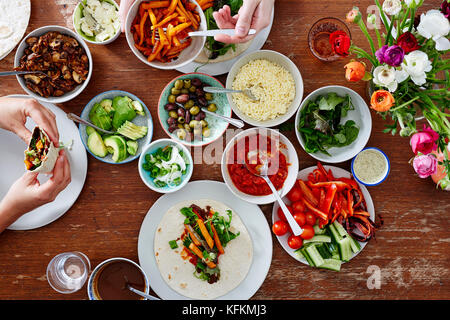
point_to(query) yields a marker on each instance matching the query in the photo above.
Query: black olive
(172, 128)
(196, 82)
(181, 112)
(170, 106)
(188, 116)
(200, 92)
(202, 101)
(171, 121)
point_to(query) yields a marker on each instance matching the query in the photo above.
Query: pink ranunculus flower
(424, 141)
(425, 165)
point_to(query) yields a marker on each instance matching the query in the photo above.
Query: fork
(247, 92)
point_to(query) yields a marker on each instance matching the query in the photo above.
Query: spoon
(12, 73)
(138, 292)
(212, 33)
(76, 118)
(263, 171)
(247, 92)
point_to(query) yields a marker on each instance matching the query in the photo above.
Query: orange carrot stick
(197, 251)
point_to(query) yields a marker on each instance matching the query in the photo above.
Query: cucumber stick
(319, 238)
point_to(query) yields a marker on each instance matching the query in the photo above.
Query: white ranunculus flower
(385, 76)
(434, 24)
(392, 7)
(416, 64)
(412, 3)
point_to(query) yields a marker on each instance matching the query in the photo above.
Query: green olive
(194, 123)
(192, 89)
(206, 132)
(212, 107)
(189, 104)
(173, 114)
(184, 90)
(187, 83)
(171, 98)
(178, 84)
(194, 110)
(181, 120)
(180, 126)
(181, 134)
(187, 127)
(175, 91)
(208, 96)
(204, 123)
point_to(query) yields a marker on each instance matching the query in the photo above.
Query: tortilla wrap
(49, 161)
(234, 264)
(14, 18)
(231, 54)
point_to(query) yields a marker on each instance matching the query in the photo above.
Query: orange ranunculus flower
(381, 100)
(354, 71)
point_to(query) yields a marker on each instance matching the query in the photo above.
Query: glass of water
(67, 272)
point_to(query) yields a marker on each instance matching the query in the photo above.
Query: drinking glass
(67, 272)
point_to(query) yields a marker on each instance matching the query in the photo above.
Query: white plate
(12, 167)
(250, 214)
(338, 173)
(215, 69)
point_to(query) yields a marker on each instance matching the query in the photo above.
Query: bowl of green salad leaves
(333, 124)
(165, 165)
(125, 117)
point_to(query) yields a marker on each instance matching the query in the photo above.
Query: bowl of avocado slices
(129, 120)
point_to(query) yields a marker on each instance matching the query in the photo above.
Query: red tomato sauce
(244, 156)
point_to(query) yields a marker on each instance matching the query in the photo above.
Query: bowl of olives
(180, 109)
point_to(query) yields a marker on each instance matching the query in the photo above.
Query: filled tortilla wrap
(204, 55)
(179, 272)
(41, 154)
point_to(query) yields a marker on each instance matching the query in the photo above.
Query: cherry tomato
(308, 232)
(300, 218)
(294, 195)
(311, 218)
(295, 242)
(299, 206)
(281, 215)
(280, 228)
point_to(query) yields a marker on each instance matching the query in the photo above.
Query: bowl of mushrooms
(61, 60)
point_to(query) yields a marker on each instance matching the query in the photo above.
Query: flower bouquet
(409, 77)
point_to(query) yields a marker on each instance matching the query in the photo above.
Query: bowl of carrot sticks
(157, 32)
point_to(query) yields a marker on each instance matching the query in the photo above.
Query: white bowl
(281, 60)
(152, 147)
(288, 151)
(76, 24)
(37, 33)
(361, 116)
(186, 56)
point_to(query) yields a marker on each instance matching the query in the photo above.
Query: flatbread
(234, 264)
(14, 18)
(48, 163)
(231, 54)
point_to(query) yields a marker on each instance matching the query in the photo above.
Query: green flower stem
(402, 24)
(363, 28)
(364, 54)
(411, 24)
(377, 33)
(389, 33)
(405, 104)
(382, 15)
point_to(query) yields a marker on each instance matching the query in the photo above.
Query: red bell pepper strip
(307, 192)
(361, 213)
(314, 210)
(322, 170)
(350, 202)
(330, 175)
(360, 200)
(329, 198)
(339, 184)
(321, 198)
(350, 182)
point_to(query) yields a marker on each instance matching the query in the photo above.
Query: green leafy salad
(320, 123)
(215, 47)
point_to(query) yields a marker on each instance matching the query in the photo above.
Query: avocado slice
(137, 106)
(100, 117)
(123, 111)
(107, 106)
(132, 147)
(132, 131)
(119, 147)
(89, 130)
(96, 144)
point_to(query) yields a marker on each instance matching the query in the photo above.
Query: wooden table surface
(411, 249)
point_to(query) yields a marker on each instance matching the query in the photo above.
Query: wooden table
(411, 249)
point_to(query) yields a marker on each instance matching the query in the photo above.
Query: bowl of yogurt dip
(370, 167)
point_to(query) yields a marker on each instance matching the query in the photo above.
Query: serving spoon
(235, 122)
(76, 118)
(139, 292)
(263, 173)
(13, 73)
(247, 92)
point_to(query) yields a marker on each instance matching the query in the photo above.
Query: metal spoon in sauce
(262, 172)
(138, 292)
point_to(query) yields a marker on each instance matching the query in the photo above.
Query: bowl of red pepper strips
(157, 32)
(322, 195)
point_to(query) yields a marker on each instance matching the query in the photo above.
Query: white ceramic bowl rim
(91, 292)
(39, 32)
(186, 152)
(293, 70)
(107, 41)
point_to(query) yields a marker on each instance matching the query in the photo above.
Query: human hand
(27, 193)
(14, 113)
(253, 14)
(124, 7)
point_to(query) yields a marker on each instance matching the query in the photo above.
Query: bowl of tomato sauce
(241, 162)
